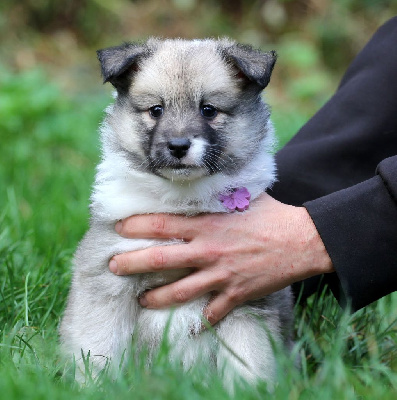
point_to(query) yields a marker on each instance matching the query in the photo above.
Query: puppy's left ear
(117, 62)
(255, 65)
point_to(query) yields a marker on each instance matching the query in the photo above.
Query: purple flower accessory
(237, 199)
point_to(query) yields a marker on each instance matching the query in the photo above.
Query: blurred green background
(315, 39)
(51, 102)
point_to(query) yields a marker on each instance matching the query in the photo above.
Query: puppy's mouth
(182, 166)
(182, 172)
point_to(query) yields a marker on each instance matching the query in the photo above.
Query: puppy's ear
(117, 62)
(256, 66)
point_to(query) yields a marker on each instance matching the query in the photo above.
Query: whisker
(220, 161)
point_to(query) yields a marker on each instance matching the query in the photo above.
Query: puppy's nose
(179, 147)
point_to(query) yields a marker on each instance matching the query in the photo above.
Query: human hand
(236, 257)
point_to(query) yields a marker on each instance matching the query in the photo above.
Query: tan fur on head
(181, 77)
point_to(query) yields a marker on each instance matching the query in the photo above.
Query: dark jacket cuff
(358, 226)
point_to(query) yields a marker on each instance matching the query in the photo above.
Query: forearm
(333, 159)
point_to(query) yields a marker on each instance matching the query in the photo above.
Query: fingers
(159, 226)
(218, 307)
(156, 259)
(182, 291)
(186, 290)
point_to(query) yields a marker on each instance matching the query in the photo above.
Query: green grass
(49, 149)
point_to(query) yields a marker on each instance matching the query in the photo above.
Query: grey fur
(139, 173)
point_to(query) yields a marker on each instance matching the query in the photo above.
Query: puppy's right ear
(255, 65)
(117, 63)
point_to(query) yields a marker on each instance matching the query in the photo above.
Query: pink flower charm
(237, 199)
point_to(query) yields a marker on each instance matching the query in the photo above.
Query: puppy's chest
(153, 280)
(122, 205)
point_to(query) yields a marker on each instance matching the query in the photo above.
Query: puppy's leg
(181, 328)
(97, 327)
(102, 308)
(245, 351)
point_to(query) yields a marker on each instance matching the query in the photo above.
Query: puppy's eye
(156, 111)
(208, 111)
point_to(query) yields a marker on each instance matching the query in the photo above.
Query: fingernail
(142, 301)
(118, 226)
(113, 266)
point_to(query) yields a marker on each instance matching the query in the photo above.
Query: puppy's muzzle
(179, 147)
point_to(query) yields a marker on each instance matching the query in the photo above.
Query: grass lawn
(49, 149)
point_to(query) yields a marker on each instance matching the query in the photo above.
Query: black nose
(179, 147)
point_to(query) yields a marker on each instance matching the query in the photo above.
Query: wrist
(315, 258)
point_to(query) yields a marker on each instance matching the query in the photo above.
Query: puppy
(188, 133)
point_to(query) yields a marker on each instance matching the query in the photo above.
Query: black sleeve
(342, 166)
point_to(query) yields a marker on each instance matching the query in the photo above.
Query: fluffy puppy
(187, 133)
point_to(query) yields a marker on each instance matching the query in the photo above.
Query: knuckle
(213, 252)
(235, 296)
(222, 277)
(159, 224)
(158, 260)
(180, 295)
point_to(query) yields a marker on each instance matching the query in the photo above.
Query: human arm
(329, 166)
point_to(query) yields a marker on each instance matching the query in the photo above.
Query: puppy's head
(187, 109)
